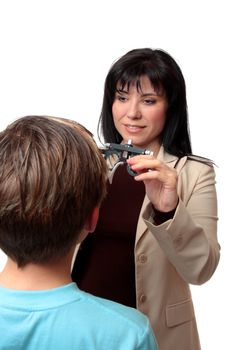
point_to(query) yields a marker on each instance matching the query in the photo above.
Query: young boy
(52, 181)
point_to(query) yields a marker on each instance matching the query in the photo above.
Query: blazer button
(142, 298)
(143, 258)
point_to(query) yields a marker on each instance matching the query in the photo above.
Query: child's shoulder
(122, 312)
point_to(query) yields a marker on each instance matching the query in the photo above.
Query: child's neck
(36, 277)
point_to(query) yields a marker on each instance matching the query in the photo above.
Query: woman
(158, 230)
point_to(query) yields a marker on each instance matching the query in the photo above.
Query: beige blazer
(179, 252)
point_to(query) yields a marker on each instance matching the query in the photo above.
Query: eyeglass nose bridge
(117, 154)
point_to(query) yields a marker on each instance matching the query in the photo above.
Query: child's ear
(92, 220)
(90, 224)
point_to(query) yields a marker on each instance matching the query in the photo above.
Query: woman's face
(140, 114)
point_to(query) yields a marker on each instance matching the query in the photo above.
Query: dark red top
(105, 264)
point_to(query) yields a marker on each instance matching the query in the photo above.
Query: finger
(169, 179)
(133, 160)
(150, 175)
(146, 164)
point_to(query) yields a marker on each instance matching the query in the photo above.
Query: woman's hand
(160, 181)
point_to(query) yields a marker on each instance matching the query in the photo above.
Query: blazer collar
(166, 157)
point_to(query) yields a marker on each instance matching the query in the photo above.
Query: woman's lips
(133, 128)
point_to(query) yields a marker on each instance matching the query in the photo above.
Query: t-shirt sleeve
(148, 341)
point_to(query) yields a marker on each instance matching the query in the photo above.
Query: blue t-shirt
(66, 318)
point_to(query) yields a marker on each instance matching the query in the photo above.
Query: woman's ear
(92, 220)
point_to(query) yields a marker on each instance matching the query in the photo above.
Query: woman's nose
(133, 111)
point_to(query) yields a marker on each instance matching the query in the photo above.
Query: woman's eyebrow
(143, 94)
(149, 94)
(122, 91)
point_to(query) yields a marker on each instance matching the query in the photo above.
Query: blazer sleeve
(189, 239)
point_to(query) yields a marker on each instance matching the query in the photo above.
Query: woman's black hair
(164, 74)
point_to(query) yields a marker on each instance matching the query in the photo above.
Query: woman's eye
(121, 98)
(149, 101)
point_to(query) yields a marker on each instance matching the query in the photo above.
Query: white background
(54, 56)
